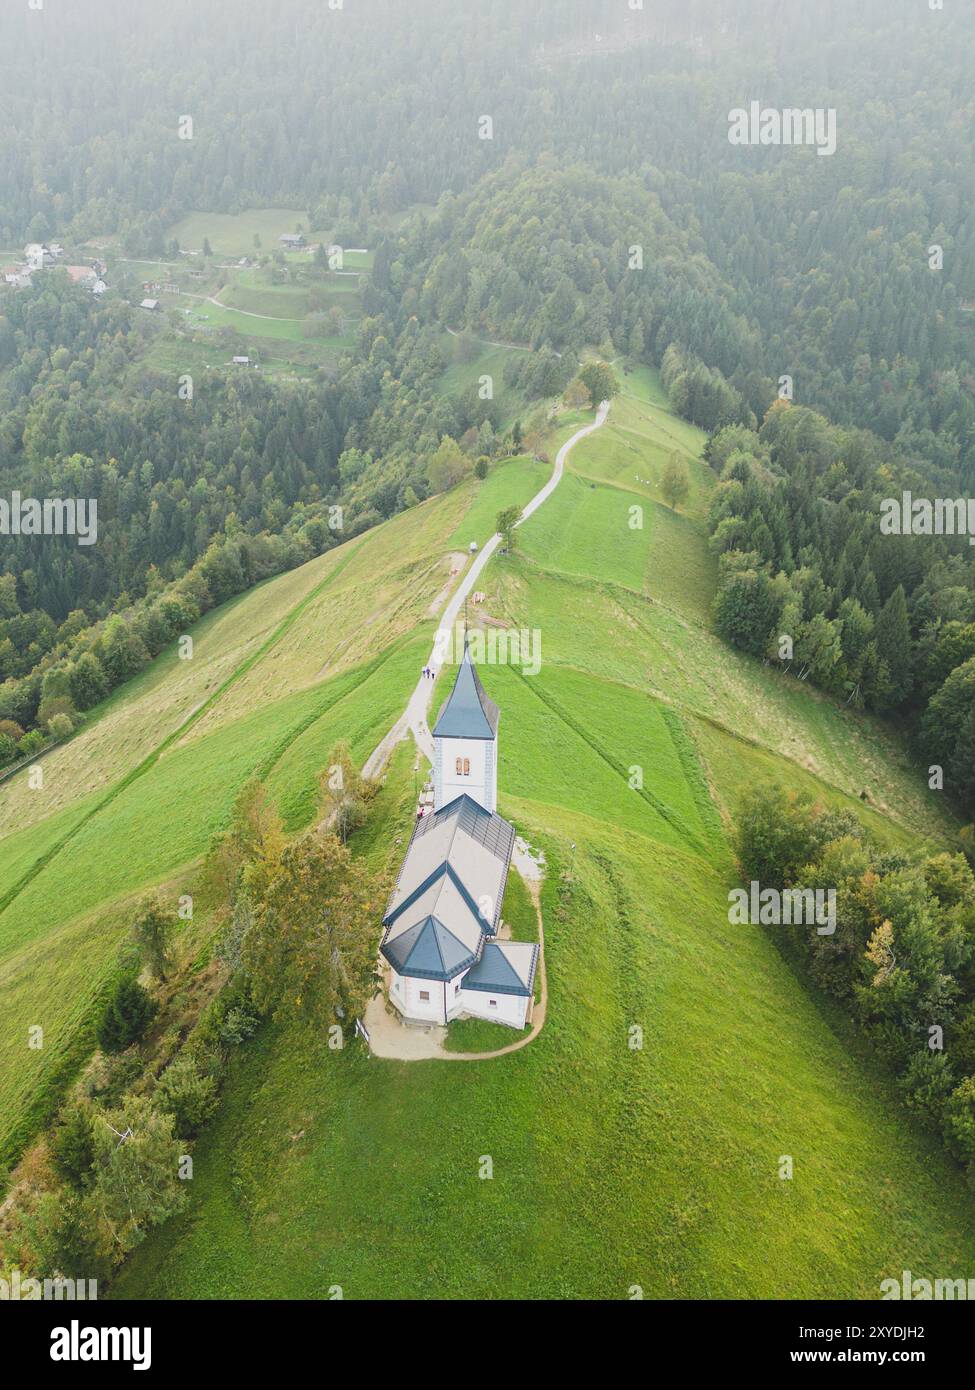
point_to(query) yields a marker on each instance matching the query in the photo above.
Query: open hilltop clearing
(326, 652)
(137, 795)
(614, 1164)
(232, 234)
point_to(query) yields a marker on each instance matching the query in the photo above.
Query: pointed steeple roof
(429, 951)
(468, 712)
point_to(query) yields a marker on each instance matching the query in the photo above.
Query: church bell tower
(465, 741)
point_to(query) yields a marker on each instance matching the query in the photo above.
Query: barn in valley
(441, 927)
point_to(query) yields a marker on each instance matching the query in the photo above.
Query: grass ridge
(148, 762)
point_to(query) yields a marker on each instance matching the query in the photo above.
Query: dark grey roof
(445, 870)
(486, 827)
(468, 712)
(428, 951)
(495, 974)
(460, 854)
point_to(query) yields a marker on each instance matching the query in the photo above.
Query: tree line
(809, 582)
(199, 497)
(294, 942)
(901, 959)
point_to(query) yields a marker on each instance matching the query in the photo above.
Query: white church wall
(505, 1008)
(479, 783)
(407, 994)
(491, 775)
(455, 997)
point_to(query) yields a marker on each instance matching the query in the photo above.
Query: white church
(441, 926)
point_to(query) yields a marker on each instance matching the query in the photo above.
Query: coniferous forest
(257, 263)
(756, 267)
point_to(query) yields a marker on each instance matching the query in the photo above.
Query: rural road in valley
(230, 309)
(388, 1037)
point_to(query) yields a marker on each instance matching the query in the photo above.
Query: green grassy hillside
(613, 1165)
(328, 651)
(471, 359)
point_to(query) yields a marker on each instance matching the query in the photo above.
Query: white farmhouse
(38, 256)
(441, 926)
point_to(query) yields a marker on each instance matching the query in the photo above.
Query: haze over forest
(307, 301)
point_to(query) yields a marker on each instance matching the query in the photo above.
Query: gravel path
(387, 1036)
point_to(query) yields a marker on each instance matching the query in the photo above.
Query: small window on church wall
(463, 767)
(493, 1003)
(467, 767)
(424, 994)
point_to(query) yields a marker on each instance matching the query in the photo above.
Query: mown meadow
(637, 1142)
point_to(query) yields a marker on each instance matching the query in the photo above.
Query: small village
(40, 256)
